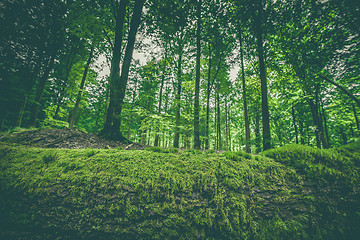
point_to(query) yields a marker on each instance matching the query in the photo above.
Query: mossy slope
(118, 194)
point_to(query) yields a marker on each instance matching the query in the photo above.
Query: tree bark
(113, 131)
(257, 131)
(22, 110)
(301, 130)
(226, 127)
(208, 102)
(294, 123)
(316, 121)
(356, 120)
(69, 65)
(177, 101)
(262, 69)
(81, 89)
(326, 132)
(218, 122)
(115, 67)
(197, 142)
(246, 117)
(157, 137)
(40, 90)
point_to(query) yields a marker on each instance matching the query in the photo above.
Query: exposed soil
(65, 138)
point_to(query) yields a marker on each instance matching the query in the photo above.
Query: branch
(342, 89)
(108, 38)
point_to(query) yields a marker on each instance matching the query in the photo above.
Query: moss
(107, 194)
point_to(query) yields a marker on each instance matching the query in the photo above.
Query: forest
(181, 119)
(221, 75)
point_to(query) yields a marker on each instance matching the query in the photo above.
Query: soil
(65, 138)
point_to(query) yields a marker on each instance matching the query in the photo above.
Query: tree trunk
(323, 139)
(262, 69)
(115, 68)
(40, 90)
(326, 131)
(226, 127)
(229, 129)
(257, 131)
(113, 120)
(343, 135)
(197, 143)
(208, 102)
(301, 127)
(356, 120)
(22, 110)
(157, 137)
(294, 123)
(82, 85)
(316, 120)
(218, 122)
(246, 117)
(177, 101)
(69, 65)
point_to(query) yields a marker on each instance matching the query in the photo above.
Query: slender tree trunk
(216, 145)
(157, 137)
(352, 130)
(316, 120)
(131, 111)
(208, 102)
(343, 135)
(40, 90)
(69, 65)
(326, 131)
(257, 132)
(262, 69)
(98, 117)
(22, 110)
(82, 85)
(218, 122)
(294, 123)
(356, 120)
(177, 101)
(2, 119)
(320, 120)
(197, 143)
(246, 117)
(226, 127)
(229, 129)
(301, 129)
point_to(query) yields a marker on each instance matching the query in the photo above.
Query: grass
(167, 194)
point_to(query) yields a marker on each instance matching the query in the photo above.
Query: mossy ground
(119, 194)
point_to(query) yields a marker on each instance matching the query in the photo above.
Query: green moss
(115, 193)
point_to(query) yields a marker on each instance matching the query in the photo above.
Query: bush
(50, 122)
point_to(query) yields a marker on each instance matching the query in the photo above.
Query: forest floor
(65, 138)
(67, 184)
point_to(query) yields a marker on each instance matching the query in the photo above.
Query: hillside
(293, 192)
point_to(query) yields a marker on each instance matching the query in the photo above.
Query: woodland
(181, 119)
(296, 77)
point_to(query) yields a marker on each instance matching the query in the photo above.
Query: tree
(118, 82)
(197, 143)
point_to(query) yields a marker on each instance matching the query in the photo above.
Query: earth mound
(65, 138)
